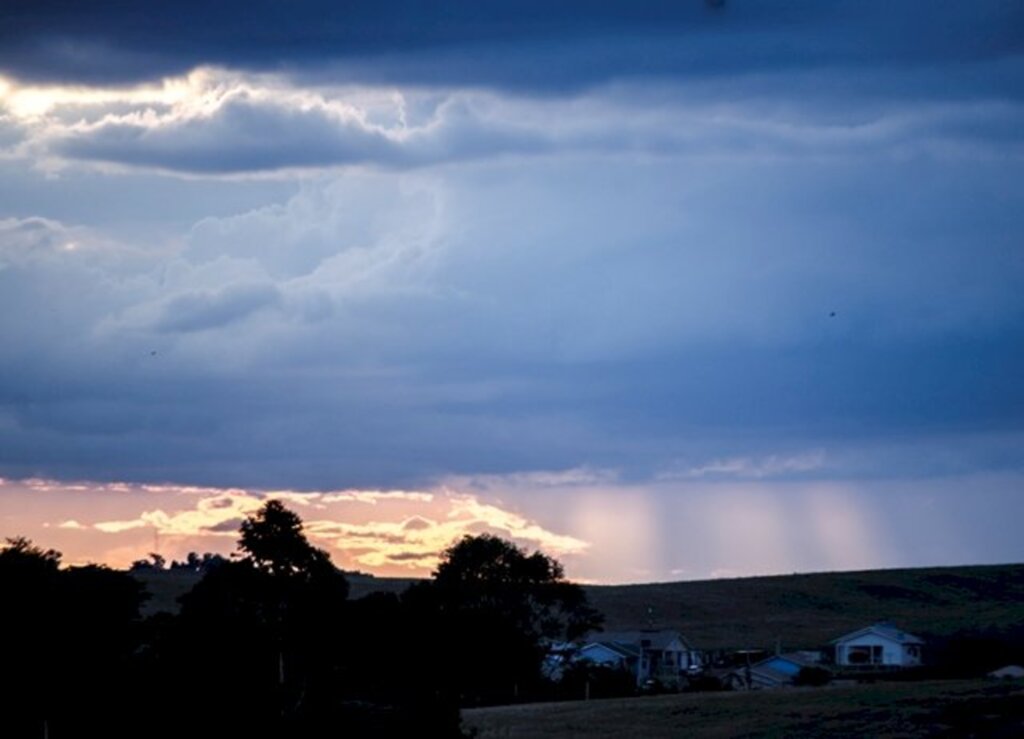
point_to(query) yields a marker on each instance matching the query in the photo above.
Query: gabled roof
(622, 649)
(655, 638)
(884, 630)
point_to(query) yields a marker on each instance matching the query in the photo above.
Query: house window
(864, 655)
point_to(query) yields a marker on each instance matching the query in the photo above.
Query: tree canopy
(488, 591)
(68, 637)
(272, 631)
(273, 540)
(487, 572)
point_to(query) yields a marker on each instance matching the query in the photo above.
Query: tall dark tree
(266, 628)
(273, 540)
(487, 572)
(487, 591)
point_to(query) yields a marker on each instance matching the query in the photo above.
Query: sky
(669, 290)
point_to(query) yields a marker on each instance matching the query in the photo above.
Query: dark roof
(655, 638)
(620, 648)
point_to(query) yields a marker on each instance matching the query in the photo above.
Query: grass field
(946, 708)
(797, 611)
(165, 587)
(810, 610)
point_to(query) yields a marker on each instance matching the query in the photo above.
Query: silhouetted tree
(199, 564)
(68, 639)
(156, 561)
(493, 609)
(266, 646)
(487, 573)
(272, 539)
(265, 627)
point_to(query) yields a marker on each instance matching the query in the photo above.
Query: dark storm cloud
(651, 289)
(244, 133)
(242, 136)
(457, 338)
(529, 44)
(279, 130)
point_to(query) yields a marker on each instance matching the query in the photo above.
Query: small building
(777, 671)
(651, 654)
(879, 645)
(611, 654)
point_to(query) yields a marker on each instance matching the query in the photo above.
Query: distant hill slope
(811, 610)
(166, 586)
(798, 610)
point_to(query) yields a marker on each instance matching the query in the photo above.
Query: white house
(611, 654)
(660, 654)
(879, 645)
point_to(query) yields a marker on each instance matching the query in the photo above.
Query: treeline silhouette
(268, 645)
(199, 564)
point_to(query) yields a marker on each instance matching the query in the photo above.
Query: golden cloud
(400, 532)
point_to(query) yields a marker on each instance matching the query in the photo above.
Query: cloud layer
(215, 123)
(674, 246)
(528, 45)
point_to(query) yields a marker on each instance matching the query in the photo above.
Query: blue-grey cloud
(287, 129)
(478, 319)
(525, 45)
(798, 231)
(241, 136)
(255, 125)
(202, 310)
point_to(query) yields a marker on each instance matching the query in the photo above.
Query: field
(810, 610)
(797, 611)
(947, 708)
(166, 586)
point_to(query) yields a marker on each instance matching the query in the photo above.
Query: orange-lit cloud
(387, 532)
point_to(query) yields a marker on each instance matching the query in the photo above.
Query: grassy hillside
(947, 708)
(165, 587)
(800, 610)
(810, 610)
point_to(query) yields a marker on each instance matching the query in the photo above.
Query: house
(650, 654)
(778, 671)
(879, 645)
(611, 654)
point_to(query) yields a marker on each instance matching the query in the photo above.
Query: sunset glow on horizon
(603, 533)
